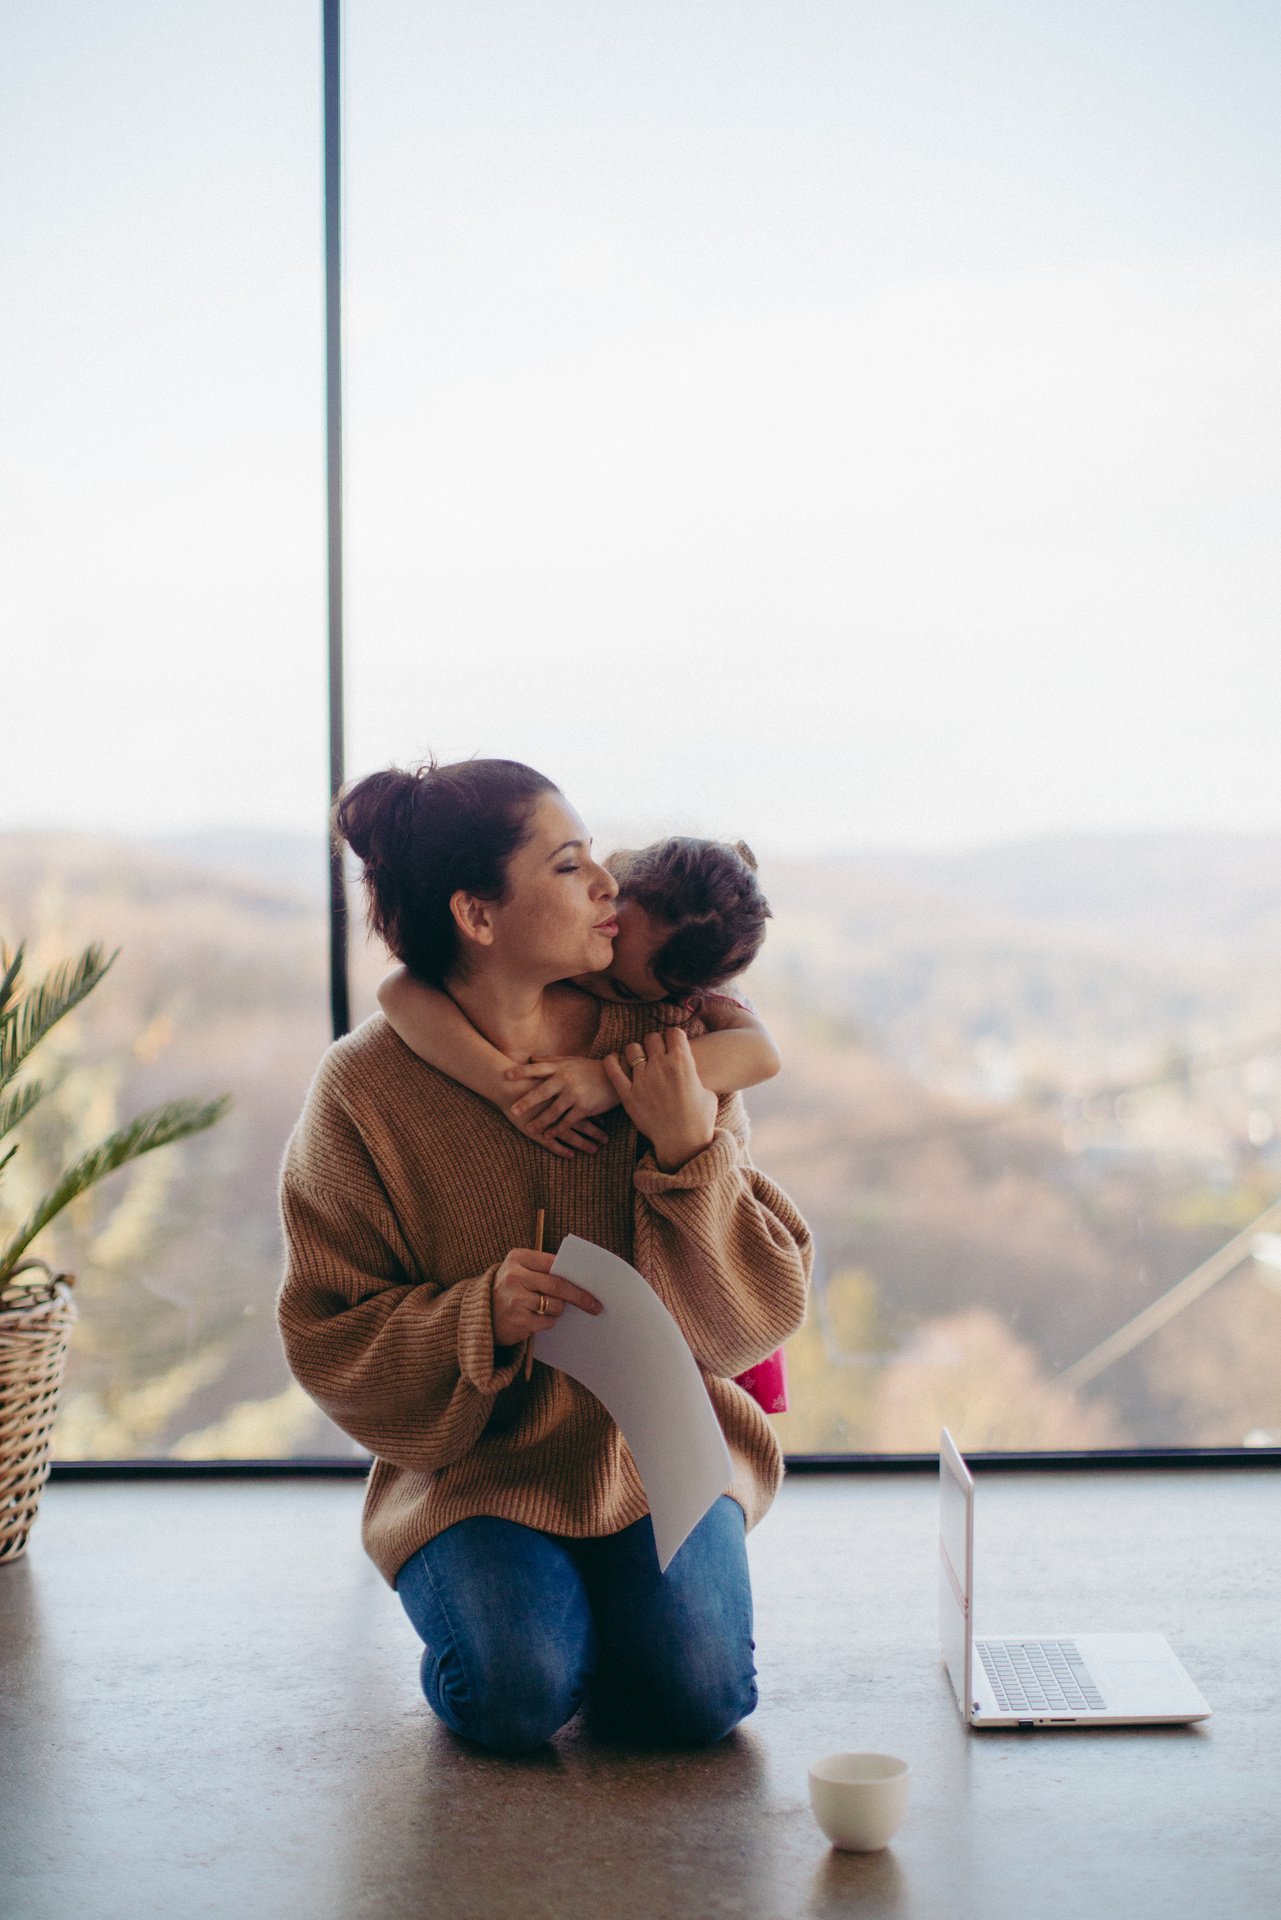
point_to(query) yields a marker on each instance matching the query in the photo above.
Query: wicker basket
(36, 1318)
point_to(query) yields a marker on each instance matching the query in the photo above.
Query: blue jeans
(522, 1627)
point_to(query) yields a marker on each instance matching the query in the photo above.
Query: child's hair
(707, 892)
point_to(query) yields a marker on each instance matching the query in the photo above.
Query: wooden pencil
(538, 1247)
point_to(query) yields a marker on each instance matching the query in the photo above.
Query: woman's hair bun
(374, 815)
(426, 832)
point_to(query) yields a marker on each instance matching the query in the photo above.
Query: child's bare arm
(440, 1033)
(737, 1052)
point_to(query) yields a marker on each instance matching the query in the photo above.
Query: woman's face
(558, 917)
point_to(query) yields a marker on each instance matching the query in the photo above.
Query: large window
(850, 429)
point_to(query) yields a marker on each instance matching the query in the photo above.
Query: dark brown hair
(707, 892)
(428, 833)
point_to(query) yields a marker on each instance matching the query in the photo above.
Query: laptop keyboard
(1039, 1676)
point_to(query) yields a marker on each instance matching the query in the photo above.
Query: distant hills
(1081, 953)
(1192, 888)
(295, 862)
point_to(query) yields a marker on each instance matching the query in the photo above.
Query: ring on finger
(542, 1306)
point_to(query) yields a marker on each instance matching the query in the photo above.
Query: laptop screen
(956, 1566)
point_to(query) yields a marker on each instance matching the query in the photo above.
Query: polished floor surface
(211, 1709)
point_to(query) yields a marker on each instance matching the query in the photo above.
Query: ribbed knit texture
(402, 1193)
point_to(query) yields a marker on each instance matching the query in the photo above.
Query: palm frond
(12, 969)
(26, 1023)
(16, 1105)
(5, 1158)
(155, 1128)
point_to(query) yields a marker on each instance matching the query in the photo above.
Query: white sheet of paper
(635, 1359)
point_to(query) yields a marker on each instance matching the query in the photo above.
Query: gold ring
(542, 1306)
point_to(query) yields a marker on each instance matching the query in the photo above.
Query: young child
(691, 916)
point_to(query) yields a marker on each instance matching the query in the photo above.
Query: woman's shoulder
(366, 1061)
(366, 1087)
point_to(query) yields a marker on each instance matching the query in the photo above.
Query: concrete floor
(211, 1708)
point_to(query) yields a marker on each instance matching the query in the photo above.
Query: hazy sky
(828, 423)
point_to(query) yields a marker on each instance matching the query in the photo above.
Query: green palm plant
(26, 1016)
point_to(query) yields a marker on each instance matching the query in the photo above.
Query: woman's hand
(663, 1096)
(559, 1099)
(528, 1297)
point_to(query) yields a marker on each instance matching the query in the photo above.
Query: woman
(507, 1512)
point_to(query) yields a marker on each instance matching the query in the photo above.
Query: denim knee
(681, 1708)
(702, 1712)
(505, 1620)
(509, 1706)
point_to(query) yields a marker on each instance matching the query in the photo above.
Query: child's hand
(557, 1108)
(664, 1097)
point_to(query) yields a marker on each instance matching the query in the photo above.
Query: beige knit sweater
(402, 1193)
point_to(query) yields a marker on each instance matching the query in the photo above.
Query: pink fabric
(695, 1002)
(767, 1383)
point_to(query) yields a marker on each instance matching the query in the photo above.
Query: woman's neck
(526, 1020)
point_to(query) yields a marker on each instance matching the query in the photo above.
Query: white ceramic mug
(859, 1799)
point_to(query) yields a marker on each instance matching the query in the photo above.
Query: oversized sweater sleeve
(724, 1249)
(405, 1365)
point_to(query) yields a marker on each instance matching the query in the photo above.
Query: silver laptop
(1043, 1680)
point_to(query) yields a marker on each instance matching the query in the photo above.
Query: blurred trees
(848, 1392)
(981, 1218)
(219, 984)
